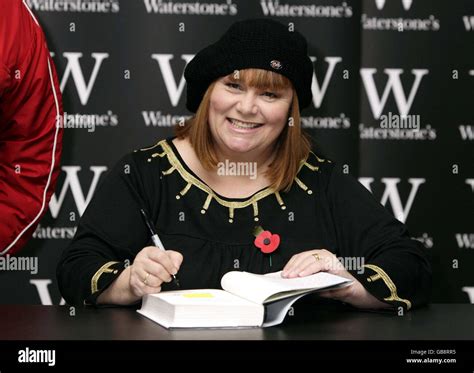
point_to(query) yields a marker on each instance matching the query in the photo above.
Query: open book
(248, 300)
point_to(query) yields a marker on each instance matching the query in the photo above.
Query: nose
(247, 103)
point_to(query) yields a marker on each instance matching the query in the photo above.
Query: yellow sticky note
(198, 295)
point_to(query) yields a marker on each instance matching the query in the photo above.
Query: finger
(299, 261)
(150, 290)
(324, 262)
(141, 276)
(139, 288)
(136, 289)
(163, 258)
(310, 266)
(176, 257)
(291, 264)
(307, 263)
(151, 280)
(157, 270)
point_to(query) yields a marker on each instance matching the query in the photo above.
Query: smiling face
(246, 115)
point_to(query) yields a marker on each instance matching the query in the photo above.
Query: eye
(270, 94)
(233, 85)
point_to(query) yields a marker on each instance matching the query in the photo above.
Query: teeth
(239, 124)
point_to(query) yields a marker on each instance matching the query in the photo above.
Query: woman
(238, 188)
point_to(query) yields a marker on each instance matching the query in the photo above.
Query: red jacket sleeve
(30, 140)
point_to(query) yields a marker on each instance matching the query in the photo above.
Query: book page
(276, 311)
(200, 297)
(258, 288)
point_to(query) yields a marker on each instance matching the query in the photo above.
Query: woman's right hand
(151, 268)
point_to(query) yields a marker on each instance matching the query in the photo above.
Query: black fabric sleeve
(110, 232)
(396, 268)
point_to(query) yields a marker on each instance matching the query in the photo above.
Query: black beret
(253, 43)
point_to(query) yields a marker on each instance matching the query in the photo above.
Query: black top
(324, 208)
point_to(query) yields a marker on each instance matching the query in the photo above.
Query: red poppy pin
(266, 241)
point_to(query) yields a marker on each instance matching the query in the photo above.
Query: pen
(156, 240)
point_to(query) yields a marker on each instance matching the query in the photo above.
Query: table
(328, 322)
(112, 333)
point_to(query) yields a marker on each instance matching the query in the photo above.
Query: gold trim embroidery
(255, 211)
(303, 185)
(95, 279)
(311, 167)
(206, 204)
(280, 200)
(151, 147)
(168, 171)
(388, 282)
(320, 159)
(231, 205)
(176, 165)
(184, 191)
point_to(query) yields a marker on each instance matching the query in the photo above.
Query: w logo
(381, 3)
(392, 195)
(319, 90)
(394, 84)
(172, 87)
(468, 23)
(72, 183)
(74, 69)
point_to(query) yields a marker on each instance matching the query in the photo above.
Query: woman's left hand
(313, 261)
